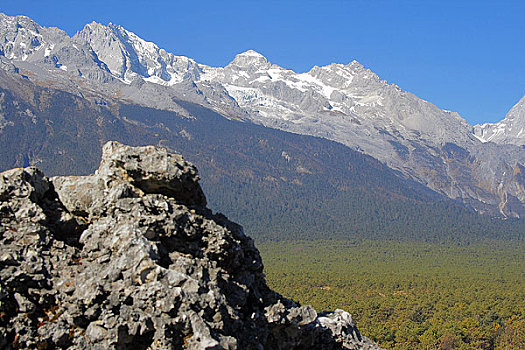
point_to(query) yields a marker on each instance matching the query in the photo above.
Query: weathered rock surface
(130, 258)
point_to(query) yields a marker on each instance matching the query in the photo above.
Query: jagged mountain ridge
(345, 103)
(510, 130)
(129, 56)
(25, 40)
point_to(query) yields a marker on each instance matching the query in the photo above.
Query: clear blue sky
(465, 56)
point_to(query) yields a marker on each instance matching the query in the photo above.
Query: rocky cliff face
(131, 258)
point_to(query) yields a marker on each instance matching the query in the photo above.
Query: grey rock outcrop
(130, 258)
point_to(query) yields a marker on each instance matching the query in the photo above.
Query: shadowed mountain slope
(278, 185)
(347, 103)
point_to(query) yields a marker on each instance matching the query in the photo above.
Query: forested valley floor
(410, 295)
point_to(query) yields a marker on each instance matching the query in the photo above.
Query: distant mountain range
(103, 68)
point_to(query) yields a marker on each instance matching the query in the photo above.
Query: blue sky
(465, 56)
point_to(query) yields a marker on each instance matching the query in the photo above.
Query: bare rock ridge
(131, 258)
(510, 130)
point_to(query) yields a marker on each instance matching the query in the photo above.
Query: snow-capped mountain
(510, 130)
(352, 105)
(346, 103)
(127, 56)
(23, 40)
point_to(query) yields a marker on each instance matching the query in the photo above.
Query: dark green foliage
(283, 186)
(278, 185)
(410, 295)
(316, 188)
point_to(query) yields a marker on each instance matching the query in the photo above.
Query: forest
(278, 185)
(337, 228)
(408, 295)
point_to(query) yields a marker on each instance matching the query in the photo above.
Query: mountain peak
(250, 59)
(22, 37)
(93, 27)
(510, 130)
(5, 17)
(355, 64)
(110, 28)
(18, 21)
(251, 53)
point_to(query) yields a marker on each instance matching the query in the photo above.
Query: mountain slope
(510, 130)
(127, 56)
(345, 103)
(351, 105)
(279, 185)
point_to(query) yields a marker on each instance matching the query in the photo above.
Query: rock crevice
(131, 258)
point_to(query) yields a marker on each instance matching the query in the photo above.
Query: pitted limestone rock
(153, 170)
(130, 258)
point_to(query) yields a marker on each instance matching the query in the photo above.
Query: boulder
(131, 258)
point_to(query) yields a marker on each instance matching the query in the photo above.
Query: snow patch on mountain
(510, 130)
(129, 57)
(346, 103)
